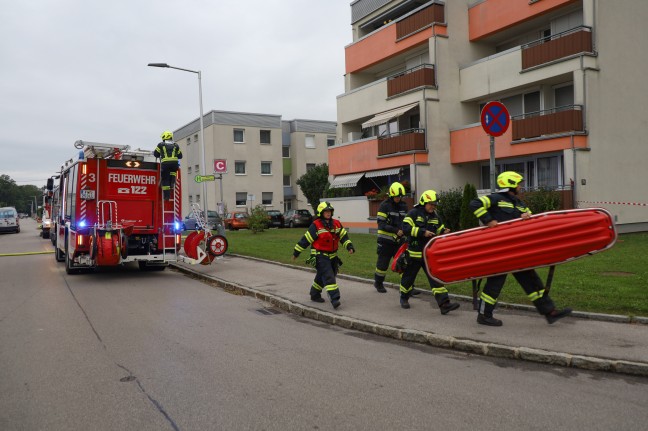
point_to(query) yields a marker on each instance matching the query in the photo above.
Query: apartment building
(263, 156)
(418, 73)
(305, 145)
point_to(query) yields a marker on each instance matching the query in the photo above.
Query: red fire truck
(109, 210)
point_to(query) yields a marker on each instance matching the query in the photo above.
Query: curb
(589, 363)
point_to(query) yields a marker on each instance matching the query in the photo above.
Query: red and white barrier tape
(615, 203)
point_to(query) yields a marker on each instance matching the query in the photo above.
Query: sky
(77, 69)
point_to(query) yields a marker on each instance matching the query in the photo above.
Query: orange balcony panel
(491, 16)
(382, 45)
(363, 156)
(473, 145)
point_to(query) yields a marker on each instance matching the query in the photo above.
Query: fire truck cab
(108, 209)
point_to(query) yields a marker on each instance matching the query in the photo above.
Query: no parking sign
(495, 118)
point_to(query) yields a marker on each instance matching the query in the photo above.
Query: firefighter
(420, 225)
(169, 153)
(498, 207)
(324, 236)
(391, 213)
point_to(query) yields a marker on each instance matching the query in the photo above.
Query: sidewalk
(592, 342)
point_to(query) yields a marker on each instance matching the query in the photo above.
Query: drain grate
(268, 311)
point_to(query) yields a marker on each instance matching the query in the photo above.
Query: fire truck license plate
(87, 194)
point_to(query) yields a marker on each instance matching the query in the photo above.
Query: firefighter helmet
(396, 190)
(509, 179)
(323, 206)
(428, 196)
(166, 136)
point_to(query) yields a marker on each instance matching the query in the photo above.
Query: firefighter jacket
(501, 206)
(390, 219)
(167, 151)
(324, 236)
(416, 223)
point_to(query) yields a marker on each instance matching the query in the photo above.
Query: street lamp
(202, 130)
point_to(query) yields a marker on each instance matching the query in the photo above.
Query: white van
(9, 220)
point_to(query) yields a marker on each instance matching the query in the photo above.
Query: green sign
(201, 178)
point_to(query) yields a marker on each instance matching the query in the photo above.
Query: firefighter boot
(335, 303)
(378, 284)
(404, 302)
(556, 315)
(317, 298)
(482, 319)
(448, 306)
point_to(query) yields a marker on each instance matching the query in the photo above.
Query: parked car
(293, 218)
(9, 221)
(275, 219)
(215, 222)
(236, 220)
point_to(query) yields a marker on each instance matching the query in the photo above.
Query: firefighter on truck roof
(169, 153)
(499, 207)
(324, 236)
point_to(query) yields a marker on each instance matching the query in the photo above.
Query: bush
(258, 220)
(467, 219)
(449, 208)
(542, 200)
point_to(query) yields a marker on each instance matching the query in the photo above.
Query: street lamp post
(203, 166)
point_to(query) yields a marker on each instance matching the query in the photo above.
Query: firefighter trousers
(530, 282)
(407, 281)
(168, 173)
(386, 251)
(326, 267)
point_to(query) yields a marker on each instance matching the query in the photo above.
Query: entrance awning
(350, 180)
(384, 117)
(383, 173)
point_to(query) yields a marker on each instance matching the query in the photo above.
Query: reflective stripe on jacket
(390, 217)
(168, 151)
(416, 223)
(500, 206)
(324, 238)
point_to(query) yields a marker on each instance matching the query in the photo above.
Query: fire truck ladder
(169, 224)
(107, 208)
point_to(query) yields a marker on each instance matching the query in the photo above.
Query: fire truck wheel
(217, 245)
(68, 262)
(58, 255)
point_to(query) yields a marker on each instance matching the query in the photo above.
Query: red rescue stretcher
(545, 239)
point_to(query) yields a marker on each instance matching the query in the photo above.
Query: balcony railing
(548, 122)
(420, 20)
(407, 140)
(411, 78)
(575, 41)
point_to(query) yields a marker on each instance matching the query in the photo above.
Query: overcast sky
(77, 69)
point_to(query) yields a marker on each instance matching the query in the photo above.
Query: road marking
(26, 254)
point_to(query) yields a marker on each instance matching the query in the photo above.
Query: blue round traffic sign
(495, 118)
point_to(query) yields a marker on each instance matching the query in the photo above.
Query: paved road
(150, 351)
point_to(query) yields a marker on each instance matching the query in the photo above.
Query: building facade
(305, 145)
(419, 72)
(259, 157)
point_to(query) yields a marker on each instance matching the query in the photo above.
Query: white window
(241, 198)
(189, 170)
(266, 198)
(330, 141)
(564, 95)
(197, 168)
(188, 141)
(239, 167)
(266, 168)
(197, 199)
(264, 136)
(310, 166)
(310, 141)
(190, 199)
(285, 152)
(239, 136)
(286, 180)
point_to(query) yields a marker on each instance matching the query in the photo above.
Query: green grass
(614, 281)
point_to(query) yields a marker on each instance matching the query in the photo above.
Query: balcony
(548, 122)
(561, 45)
(491, 16)
(394, 39)
(363, 156)
(419, 20)
(407, 140)
(471, 144)
(412, 78)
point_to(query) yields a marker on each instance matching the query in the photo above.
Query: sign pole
(492, 164)
(220, 179)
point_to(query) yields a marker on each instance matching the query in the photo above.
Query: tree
(450, 208)
(258, 220)
(467, 218)
(314, 183)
